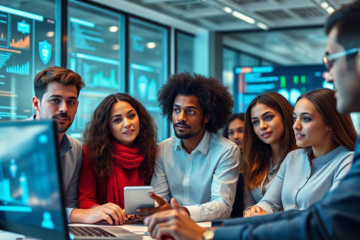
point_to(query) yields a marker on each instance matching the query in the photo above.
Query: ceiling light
(243, 17)
(330, 10)
(115, 47)
(151, 45)
(324, 5)
(227, 9)
(262, 26)
(113, 29)
(50, 34)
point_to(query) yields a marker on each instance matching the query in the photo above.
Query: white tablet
(137, 197)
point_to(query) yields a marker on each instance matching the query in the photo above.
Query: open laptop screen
(30, 196)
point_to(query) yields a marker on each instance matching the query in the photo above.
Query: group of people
(291, 158)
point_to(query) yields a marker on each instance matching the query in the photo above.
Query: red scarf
(124, 158)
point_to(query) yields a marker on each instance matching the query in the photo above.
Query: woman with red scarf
(120, 147)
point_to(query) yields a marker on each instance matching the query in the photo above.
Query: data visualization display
(27, 46)
(144, 86)
(290, 82)
(29, 186)
(93, 57)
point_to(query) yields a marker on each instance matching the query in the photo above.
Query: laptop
(32, 200)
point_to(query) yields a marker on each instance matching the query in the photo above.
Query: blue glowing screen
(290, 82)
(29, 184)
(27, 45)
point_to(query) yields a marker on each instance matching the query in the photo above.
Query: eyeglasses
(330, 59)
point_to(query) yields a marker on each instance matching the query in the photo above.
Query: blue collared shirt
(298, 185)
(203, 181)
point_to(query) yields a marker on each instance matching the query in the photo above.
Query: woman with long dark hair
(120, 147)
(327, 139)
(234, 129)
(268, 138)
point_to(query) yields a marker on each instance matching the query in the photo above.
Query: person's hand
(110, 212)
(254, 211)
(174, 224)
(163, 205)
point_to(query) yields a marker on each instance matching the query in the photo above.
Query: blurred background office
(132, 46)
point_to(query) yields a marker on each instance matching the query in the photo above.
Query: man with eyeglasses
(337, 215)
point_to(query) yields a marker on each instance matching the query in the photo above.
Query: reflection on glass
(229, 63)
(184, 53)
(248, 61)
(148, 67)
(26, 47)
(94, 53)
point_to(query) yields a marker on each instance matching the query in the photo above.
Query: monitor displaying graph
(144, 85)
(91, 55)
(29, 186)
(290, 82)
(26, 47)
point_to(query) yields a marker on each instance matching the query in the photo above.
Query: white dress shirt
(203, 181)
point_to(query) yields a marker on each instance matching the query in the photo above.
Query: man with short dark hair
(337, 215)
(198, 167)
(56, 97)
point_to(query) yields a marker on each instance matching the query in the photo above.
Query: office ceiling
(227, 15)
(290, 47)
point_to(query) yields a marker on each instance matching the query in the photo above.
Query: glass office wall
(148, 69)
(184, 53)
(230, 61)
(95, 52)
(27, 45)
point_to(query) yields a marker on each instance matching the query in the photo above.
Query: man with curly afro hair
(198, 167)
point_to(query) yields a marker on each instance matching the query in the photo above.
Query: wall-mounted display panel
(95, 52)
(148, 70)
(27, 45)
(290, 82)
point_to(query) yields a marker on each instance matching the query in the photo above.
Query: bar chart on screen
(19, 69)
(22, 43)
(17, 200)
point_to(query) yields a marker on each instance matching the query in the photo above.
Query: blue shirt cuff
(68, 213)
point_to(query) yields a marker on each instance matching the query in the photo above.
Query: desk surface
(135, 228)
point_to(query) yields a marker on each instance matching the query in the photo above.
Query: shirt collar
(203, 146)
(65, 145)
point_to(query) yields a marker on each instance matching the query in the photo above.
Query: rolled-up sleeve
(223, 189)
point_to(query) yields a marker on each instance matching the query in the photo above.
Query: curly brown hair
(213, 97)
(98, 138)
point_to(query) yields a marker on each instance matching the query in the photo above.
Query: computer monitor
(289, 81)
(30, 178)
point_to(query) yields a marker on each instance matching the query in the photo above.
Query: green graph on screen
(100, 80)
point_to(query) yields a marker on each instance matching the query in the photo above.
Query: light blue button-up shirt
(298, 185)
(203, 181)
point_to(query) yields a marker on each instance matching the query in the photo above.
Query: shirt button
(294, 206)
(186, 176)
(307, 177)
(298, 189)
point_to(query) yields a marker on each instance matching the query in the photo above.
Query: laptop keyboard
(91, 232)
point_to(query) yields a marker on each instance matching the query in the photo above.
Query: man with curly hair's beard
(198, 167)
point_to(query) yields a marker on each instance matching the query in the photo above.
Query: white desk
(135, 228)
